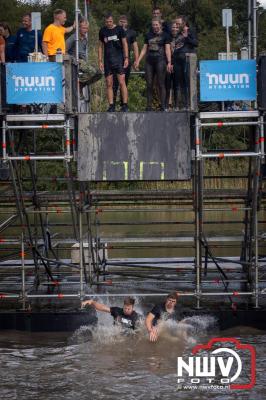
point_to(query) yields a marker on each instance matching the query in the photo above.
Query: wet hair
(108, 15)
(123, 17)
(172, 295)
(156, 19)
(129, 301)
(184, 19)
(26, 15)
(58, 11)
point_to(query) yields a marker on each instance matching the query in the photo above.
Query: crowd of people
(166, 49)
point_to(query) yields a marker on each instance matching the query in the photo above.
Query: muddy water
(106, 364)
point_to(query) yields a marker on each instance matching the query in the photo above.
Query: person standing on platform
(169, 82)
(113, 45)
(25, 40)
(83, 41)
(158, 61)
(165, 311)
(54, 35)
(2, 45)
(186, 42)
(157, 13)
(10, 43)
(132, 43)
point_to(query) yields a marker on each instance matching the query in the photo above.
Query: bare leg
(109, 89)
(123, 88)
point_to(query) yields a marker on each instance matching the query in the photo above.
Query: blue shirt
(25, 44)
(10, 48)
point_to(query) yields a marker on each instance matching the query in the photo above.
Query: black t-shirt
(159, 311)
(166, 27)
(127, 321)
(112, 40)
(131, 38)
(156, 44)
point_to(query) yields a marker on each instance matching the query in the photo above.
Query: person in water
(126, 316)
(166, 310)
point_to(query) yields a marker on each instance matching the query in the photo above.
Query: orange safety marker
(262, 140)
(27, 158)
(220, 124)
(235, 294)
(221, 155)
(60, 295)
(45, 126)
(197, 141)
(68, 142)
(4, 145)
(2, 296)
(22, 254)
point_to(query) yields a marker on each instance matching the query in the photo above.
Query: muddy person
(163, 311)
(113, 60)
(124, 316)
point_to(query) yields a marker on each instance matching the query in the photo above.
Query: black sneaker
(111, 108)
(124, 108)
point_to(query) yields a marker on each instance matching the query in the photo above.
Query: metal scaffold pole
(198, 209)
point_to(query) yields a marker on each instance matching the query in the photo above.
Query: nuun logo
(228, 81)
(34, 83)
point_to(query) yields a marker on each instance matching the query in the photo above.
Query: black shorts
(114, 68)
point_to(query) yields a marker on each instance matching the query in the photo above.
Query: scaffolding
(75, 263)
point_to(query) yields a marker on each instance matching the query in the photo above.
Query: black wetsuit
(131, 37)
(183, 45)
(113, 50)
(127, 321)
(169, 81)
(156, 64)
(159, 311)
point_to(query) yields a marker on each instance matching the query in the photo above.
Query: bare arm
(142, 54)
(152, 330)
(168, 57)
(70, 28)
(125, 52)
(45, 48)
(100, 55)
(136, 51)
(97, 306)
(2, 53)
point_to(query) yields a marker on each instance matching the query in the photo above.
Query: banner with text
(228, 80)
(28, 83)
